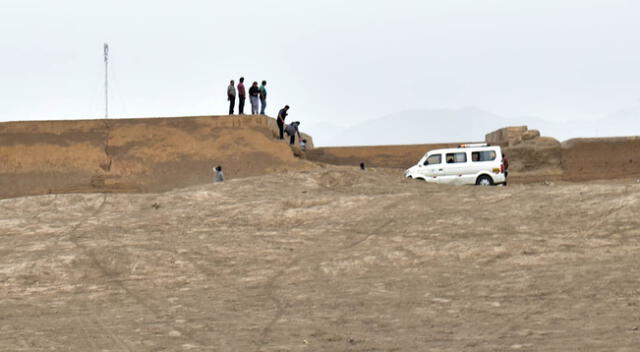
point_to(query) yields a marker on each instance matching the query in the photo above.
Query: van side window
(485, 155)
(433, 159)
(453, 158)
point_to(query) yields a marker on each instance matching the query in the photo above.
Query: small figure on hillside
(292, 130)
(505, 162)
(303, 145)
(362, 166)
(254, 96)
(242, 95)
(231, 96)
(263, 97)
(282, 115)
(219, 177)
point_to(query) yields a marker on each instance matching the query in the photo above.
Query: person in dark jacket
(505, 162)
(254, 97)
(282, 115)
(292, 130)
(242, 95)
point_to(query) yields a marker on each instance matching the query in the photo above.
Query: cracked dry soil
(326, 260)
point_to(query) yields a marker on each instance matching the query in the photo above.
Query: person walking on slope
(263, 97)
(242, 95)
(231, 96)
(254, 96)
(292, 130)
(282, 115)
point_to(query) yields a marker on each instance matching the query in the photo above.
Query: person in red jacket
(242, 95)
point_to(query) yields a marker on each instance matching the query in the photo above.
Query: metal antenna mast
(106, 80)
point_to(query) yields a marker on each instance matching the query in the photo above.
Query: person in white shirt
(231, 96)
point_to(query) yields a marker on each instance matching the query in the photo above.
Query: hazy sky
(338, 62)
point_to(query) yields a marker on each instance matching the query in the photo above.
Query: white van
(470, 164)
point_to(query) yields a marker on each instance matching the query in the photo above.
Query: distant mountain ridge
(471, 124)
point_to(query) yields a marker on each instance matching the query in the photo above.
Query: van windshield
(433, 159)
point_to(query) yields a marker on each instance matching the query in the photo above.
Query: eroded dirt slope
(388, 156)
(326, 260)
(601, 158)
(137, 155)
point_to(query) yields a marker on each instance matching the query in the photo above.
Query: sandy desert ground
(332, 259)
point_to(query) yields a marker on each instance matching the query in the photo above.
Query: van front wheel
(484, 180)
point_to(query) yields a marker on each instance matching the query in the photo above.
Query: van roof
(473, 145)
(464, 149)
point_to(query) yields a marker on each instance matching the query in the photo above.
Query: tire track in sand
(311, 257)
(114, 279)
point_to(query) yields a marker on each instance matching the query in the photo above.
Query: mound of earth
(532, 158)
(330, 259)
(389, 156)
(601, 158)
(137, 154)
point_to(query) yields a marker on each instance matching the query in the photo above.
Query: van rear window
(486, 155)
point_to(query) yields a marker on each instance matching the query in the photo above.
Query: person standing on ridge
(254, 96)
(263, 97)
(242, 95)
(231, 96)
(280, 120)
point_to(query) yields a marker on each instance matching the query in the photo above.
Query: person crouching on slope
(292, 130)
(219, 177)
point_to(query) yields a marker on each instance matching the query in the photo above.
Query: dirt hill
(152, 154)
(159, 154)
